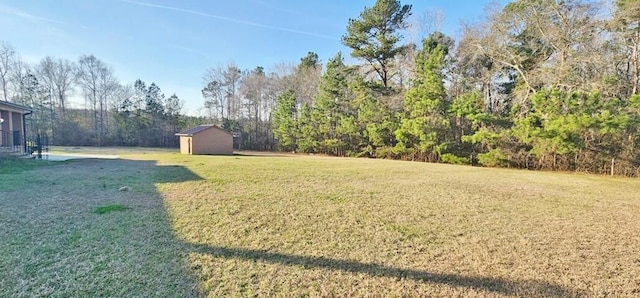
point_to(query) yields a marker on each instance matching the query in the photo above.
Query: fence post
(39, 146)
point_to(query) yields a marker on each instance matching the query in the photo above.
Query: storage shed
(206, 139)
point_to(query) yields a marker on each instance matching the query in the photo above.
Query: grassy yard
(157, 223)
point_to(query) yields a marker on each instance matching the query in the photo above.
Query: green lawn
(157, 223)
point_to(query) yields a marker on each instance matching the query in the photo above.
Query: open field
(157, 223)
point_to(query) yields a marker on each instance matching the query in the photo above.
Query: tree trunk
(636, 66)
(613, 162)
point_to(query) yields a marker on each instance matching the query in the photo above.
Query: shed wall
(212, 141)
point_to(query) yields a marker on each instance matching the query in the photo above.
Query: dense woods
(537, 84)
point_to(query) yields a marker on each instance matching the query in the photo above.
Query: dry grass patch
(344, 227)
(314, 226)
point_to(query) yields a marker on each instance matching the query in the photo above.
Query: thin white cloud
(37, 27)
(36, 19)
(305, 16)
(231, 20)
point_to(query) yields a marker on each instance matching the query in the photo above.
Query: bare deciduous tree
(221, 90)
(98, 83)
(626, 22)
(7, 59)
(535, 44)
(60, 75)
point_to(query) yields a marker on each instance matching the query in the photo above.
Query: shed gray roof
(190, 132)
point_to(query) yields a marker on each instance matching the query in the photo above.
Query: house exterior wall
(185, 143)
(16, 121)
(12, 129)
(212, 141)
(12, 122)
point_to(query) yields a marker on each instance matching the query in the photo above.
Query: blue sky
(173, 43)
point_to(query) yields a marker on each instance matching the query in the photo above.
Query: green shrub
(386, 152)
(453, 159)
(493, 158)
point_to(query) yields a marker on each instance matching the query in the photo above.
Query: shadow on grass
(502, 286)
(10, 164)
(158, 264)
(54, 243)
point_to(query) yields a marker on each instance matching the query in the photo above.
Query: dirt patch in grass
(315, 226)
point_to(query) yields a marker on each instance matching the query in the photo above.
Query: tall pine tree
(424, 124)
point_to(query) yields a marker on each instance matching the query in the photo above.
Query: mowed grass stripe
(318, 226)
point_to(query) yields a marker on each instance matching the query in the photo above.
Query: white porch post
(1, 121)
(10, 121)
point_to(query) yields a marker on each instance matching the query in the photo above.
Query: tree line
(536, 84)
(83, 103)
